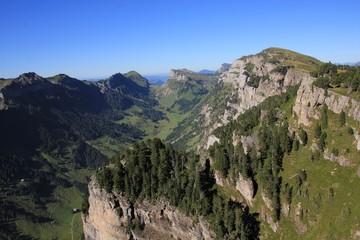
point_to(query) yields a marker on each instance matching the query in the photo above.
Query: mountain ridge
(243, 121)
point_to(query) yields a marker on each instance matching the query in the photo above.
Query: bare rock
(310, 97)
(299, 226)
(343, 161)
(266, 216)
(285, 209)
(357, 139)
(267, 201)
(246, 187)
(161, 221)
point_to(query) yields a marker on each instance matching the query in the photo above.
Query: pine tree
(317, 131)
(324, 117)
(119, 177)
(342, 118)
(303, 136)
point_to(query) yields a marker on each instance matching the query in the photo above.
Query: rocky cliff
(310, 97)
(113, 216)
(308, 106)
(251, 80)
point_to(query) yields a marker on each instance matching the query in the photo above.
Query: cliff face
(251, 79)
(109, 215)
(310, 97)
(308, 106)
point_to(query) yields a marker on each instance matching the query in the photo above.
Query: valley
(264, 148)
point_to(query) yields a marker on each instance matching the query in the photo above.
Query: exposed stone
(285, 209)
(266, 200)
(266, 216)
(220, 180)
(357, 139)
(343, 161)
(246, 187)
(211, 140)
(161, 221)
(310, 97)
(179, 75)
(251, 141)
(271, 83)
(299, 226)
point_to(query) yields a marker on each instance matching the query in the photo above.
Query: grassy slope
(299, 61)
(65, 224)
(325, 216)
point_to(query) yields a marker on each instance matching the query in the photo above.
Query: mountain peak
(137, 78)
(180, 74)
(28, 78)
(287, 57)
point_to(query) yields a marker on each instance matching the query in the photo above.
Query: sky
(95, 39)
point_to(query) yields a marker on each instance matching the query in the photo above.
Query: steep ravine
(105, 220)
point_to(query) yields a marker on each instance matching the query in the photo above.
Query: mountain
(265, 148)
(224, 68)
(157, 79)
(277, 138)
(206, 71)
(54, 130)
(179, 96)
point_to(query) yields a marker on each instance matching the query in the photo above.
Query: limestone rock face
(246, 187)
(343, 161)
(161, 221)
(180, 75)
(271, 81)
(310, 97)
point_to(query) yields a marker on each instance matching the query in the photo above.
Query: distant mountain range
(157, 79)
(206, 71)
(350, 63)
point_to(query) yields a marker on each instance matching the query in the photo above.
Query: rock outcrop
(309, 97)
(252, 80)
(245, 186)
(273, 80)
(180, 75)
(343, 161)
(109, 216)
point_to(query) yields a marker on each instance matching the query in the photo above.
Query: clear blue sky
(93, 38)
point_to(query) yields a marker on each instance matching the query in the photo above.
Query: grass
(325, 216)
(344, 91)
(4, 83)
(61, 212)
(329, 214)
(58, 206)
(299, 61)
(107, 145)
(166, 126)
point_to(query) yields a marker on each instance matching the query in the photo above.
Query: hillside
(54, 130)
(264, 148)
(279, 146)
